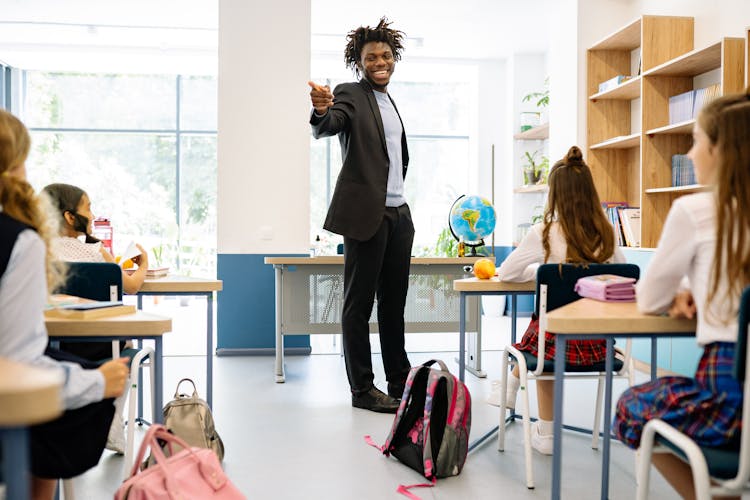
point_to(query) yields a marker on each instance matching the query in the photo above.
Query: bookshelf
(635, 165)
(537, 133)
(539, 188)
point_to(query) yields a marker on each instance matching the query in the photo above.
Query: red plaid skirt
(577, 352)
(707, 408)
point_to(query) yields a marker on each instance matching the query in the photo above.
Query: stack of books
(612, 209)
(683, 173)
(686, 106)
(157, 272)
(613, 82)
(607, 288)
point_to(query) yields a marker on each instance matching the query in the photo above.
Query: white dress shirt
(23, 336)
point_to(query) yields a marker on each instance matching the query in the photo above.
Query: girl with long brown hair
(574, 230)
(706, 239)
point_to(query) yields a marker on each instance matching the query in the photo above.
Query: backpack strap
(404, 489)
(368, 440)
(431, 362)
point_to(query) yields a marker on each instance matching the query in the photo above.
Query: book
(632, 226)
(72, 307)
(158, 272)
(613, 82)
(607, 287)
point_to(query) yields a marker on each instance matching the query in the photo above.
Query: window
(437, 115)
(142, 146)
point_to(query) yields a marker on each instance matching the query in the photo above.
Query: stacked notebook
(607, 287)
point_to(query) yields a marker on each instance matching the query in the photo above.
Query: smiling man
(369, 209)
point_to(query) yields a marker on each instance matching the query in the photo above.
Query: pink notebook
(607, 287)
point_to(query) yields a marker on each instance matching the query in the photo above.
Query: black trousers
(379, 266)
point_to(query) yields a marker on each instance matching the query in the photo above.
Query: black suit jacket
(358, 201)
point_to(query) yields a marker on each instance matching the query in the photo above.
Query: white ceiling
(176, 35)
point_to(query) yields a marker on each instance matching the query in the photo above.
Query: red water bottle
(103, 231)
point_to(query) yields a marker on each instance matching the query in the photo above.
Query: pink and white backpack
(430, 433)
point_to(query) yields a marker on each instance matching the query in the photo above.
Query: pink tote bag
(191, 474)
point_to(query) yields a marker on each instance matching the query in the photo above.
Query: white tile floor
(302, 439)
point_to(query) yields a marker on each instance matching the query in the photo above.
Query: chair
(555, 288)
(728, 467)
(103, 281)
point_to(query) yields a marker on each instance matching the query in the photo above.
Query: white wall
(263, 133)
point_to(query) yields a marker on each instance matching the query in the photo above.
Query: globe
(473, 219)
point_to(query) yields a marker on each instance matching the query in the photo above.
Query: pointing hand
(321, 97)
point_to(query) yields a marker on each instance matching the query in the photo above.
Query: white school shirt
(23, 336)
(686, 249)
(522, 263)
(70, 249)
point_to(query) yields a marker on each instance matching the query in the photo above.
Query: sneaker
(375, 400)
(496, 392)
(544, 444)
(116, 437)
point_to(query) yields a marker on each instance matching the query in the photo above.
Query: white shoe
(544, 444)
(116, 437)
(496, 394)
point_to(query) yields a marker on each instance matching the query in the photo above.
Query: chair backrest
(740, 353)
(93, 280)
(561, 279)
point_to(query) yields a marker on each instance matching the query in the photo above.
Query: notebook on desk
(72, 307)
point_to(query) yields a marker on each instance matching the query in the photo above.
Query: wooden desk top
(28, 395)
(339, 259)
(593, 316)
(492, 285)
(181, 284)
(140, 324)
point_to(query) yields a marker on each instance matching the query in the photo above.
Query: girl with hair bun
(71, 444)
(700, 267)
(574, 230)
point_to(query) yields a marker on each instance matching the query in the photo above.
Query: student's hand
(142, 259)
(683, 306)
(115, 375)
(321, 97)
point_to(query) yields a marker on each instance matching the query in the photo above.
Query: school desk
(309, 294)
(187, 286)
(28, 396)
(139, 325)
(587, 319)
(473, 286)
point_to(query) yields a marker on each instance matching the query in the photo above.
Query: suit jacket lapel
(375, 111)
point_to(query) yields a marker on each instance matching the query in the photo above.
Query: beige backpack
(189, 418)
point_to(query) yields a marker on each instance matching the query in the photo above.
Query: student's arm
(656, 290)
(519, 265)
(131, 283)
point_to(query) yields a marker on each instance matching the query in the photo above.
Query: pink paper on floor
(607, 287)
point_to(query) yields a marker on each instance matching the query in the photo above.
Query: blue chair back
(741, 347)
(561, 279)
(93, 280)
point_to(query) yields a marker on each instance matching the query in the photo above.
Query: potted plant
(534, 170)
(530, 119)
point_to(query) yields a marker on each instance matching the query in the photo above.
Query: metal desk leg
(513, 317)
(461, 335)
(158, 381)
(558, 422)
(17, 462)
(210, 349)
(653, 358)
(474, 345)
(279, 337)
(608, 366)
(139, 345)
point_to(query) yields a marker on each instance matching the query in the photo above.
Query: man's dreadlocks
(358, 38)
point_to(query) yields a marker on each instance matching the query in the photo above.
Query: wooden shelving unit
(636, 166)
(539, 188)
(538, 133)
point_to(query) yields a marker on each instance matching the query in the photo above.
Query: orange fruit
(128, 264)
(484, 269)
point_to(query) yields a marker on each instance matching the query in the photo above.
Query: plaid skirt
(708, 407)
(577, 352)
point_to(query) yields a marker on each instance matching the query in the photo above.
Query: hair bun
(574, 155)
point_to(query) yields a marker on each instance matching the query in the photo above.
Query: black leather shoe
(375, 400)
(396, 390)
